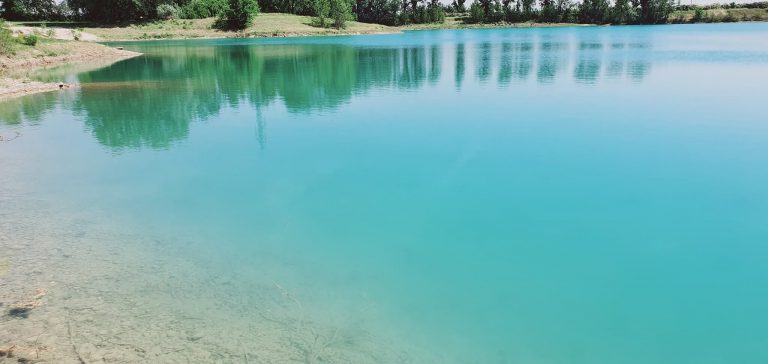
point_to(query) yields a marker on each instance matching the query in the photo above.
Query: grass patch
(7, 43)
(718, 15)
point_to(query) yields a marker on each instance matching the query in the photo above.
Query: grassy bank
(264, 25)
(52, 52)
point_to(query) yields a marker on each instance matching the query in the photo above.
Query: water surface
(563, 195)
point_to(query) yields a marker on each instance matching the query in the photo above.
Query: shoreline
(15, 71)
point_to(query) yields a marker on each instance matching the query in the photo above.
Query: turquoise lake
(544, 195)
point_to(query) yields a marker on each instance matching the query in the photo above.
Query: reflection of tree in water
(588, 65)
(484, 61)
(460, 66)
(516, 62)
(28, 110)
(551, 57)
(151, 100)
(434, 64)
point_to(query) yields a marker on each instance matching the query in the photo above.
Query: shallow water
(563, 195)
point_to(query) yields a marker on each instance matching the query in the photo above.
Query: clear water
(563, 195)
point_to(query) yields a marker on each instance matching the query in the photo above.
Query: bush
(699, 15)
(239, 15)
(30, 40)
(729, 17)
(168, 11)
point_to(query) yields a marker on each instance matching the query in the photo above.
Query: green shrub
(239, 15)
(168, 11)
(699, 15)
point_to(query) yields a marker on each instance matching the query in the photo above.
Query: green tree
(28, 9)
(435, 12)
(594, 11)
(340, 11)
(458, 6)
(655, 11)
(486, 6)
(109, 10)
(527, 8)
(323, 11)
(549, 12)
(476, 13)
(622, 12)
(378, 11)
(301, 7)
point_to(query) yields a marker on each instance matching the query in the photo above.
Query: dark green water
(569, 195)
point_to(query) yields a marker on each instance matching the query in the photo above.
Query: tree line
(231, 12)
(240, 13)
(567, 11)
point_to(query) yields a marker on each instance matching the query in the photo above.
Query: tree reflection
(588, 65)
(516, 62)
(484, 61)
(150, 101)
(552, 55)
(460, 66)
(28, 110)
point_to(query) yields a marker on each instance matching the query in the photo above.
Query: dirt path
(56, 33)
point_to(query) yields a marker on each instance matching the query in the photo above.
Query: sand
(76, 287)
